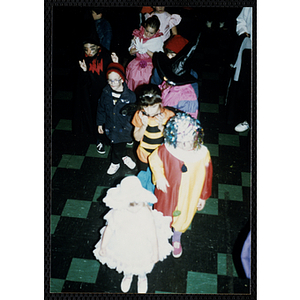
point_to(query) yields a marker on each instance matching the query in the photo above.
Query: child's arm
(82, 65)
(139, 131)
(158, 174)
(207, 186)
(100, 129)
(150, 53)
(132, 49)
(174, 30)
(114, 57)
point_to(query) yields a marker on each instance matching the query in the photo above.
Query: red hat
(116, 67)
(176, 43)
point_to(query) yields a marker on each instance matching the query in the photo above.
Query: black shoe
(100, 148)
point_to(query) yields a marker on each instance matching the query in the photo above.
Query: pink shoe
(177, 249)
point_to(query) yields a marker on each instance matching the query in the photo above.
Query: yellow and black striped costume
(153, 137)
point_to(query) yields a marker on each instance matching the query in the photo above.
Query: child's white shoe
(113, 168)
(142, 285)
(126, 283)
(129, 162)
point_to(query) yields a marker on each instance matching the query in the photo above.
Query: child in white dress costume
(135, 237)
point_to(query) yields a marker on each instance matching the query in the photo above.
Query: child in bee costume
(135, 236)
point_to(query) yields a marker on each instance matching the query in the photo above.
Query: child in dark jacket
(116, 126)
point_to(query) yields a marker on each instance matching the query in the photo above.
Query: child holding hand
(182, 173)
(135, 236)
(149, 121)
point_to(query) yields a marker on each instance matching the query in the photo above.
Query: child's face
(171, 54)
(186, 139)
(159, 9)
(91, 49)
(149, 31)
(186, 145)
(152, 110)
(115, 81)
(96, 16)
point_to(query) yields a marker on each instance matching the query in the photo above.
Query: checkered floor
(210, 263)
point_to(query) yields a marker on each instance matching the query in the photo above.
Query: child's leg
(176, 242)
(118, 151)
(142, 285)
(126, 282)
(115, 159)
(176, 236)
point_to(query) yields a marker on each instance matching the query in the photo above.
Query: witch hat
(176, 71)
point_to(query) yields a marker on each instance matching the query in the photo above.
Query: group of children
(175, 169)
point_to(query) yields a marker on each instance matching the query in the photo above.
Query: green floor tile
(229, 140)
(76, 208)
(71, 161)
(130, 146)
(230, 192)
(222, 264)
(246, 179)
(64, 125)
(56, 285)
(209, 107)
(83, 270)
(63, 95)
(210, 208)
(245, 133)
(201, 283)
(54, 220)
(92, 151)
(225, 265)
(213, 149)
(99, 192)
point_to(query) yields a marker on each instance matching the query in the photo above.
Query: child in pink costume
(146, 41)
(135, 237)
(182, 97)
(168, 22)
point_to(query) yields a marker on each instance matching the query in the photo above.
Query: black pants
(118, 151)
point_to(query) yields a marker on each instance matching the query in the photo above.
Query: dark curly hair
(149, 94)
(153, 22)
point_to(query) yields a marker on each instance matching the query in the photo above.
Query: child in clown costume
(135, 237)
(182, 173)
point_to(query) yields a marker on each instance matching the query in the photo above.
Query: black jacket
(117, 126)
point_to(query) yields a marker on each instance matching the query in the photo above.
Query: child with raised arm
(168, 22)
(135, 236)
(182, 173)
(146, 41)
(91, 80)
(149, 122)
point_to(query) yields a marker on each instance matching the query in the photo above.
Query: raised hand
(82, 65)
